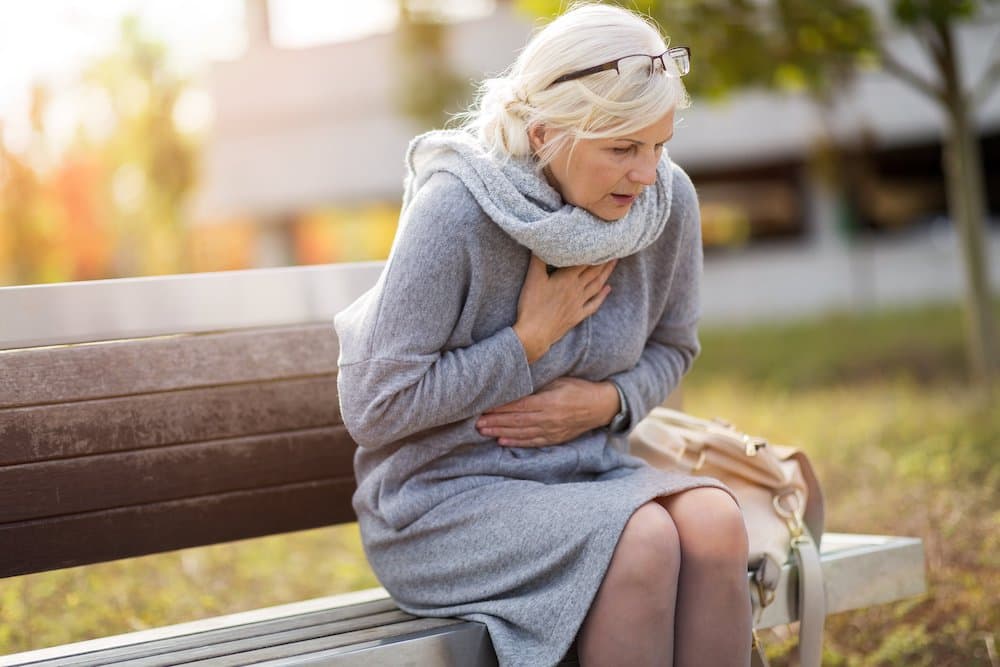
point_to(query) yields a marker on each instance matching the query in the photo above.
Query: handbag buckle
(791, 514)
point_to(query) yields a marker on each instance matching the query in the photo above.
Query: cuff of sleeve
(520, 383)
(632, 397)
(622, 421)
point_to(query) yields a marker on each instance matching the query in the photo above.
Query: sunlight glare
(193, 111)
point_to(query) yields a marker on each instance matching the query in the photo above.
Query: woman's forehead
(655, 133)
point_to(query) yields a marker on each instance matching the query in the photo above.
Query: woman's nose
(644, 173)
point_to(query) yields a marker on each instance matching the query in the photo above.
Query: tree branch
(901, 71)
(933, 41)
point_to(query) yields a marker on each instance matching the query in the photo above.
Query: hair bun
(517, 100)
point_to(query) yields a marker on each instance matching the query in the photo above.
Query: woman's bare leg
(632, 617)
(714, 617)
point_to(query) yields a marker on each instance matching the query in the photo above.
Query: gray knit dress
(452, 523)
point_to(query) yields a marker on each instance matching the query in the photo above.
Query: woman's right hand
(549, 306)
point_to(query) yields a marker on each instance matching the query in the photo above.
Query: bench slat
(224, 300)
(348, 639)
(467, 645)
(124, 368)
(46, 544)
(72, 486)
(872, 569)
(208, 630)
(84, 428)
(165, 654)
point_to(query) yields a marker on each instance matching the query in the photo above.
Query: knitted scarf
(519, 199)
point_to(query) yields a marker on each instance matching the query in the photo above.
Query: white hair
(596, 106)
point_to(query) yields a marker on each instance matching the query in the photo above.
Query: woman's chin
(610, 216)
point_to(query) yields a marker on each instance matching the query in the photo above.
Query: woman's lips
(622, 199)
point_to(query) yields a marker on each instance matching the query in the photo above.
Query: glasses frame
(681, 55)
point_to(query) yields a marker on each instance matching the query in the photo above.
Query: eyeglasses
(639, 63)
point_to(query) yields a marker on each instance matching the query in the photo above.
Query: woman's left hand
(555, 414)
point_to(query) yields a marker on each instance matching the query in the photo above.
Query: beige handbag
(780, 497)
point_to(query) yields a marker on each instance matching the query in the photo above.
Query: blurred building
(309, 144)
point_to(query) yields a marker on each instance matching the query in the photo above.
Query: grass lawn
(902, 445)
(881, 403)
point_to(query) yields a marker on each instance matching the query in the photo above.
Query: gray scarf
(519, 199)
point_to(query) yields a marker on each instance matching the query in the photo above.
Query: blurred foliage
(26, 216)
(114, 201)
(880, 402)
(912, 12)
(111, 202)
(340, 234)
(427, 88)
(151, 165)
(786, 44)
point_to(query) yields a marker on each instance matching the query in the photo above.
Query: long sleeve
(673, 344)
(397, 374)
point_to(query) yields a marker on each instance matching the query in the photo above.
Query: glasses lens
(636, 68)
(682, 59)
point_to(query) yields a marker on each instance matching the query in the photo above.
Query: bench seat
(367, 628)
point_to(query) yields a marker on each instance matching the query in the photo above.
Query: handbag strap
(758, 658)
(812, 600)
(814, 516)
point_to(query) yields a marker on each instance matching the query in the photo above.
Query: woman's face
(606, 175)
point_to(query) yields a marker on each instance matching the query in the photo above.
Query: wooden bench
(144, 415)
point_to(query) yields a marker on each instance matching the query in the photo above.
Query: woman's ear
(536, 137)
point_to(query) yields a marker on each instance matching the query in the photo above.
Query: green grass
(79, 603)
(902, 445)
(901, 442)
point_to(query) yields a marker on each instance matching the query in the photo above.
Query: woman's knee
(710, 525)
(649, 546)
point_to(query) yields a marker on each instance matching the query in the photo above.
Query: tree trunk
(966, 207)
(963, 170)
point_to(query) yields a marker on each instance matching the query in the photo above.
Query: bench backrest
(219, 423)
(145, 415)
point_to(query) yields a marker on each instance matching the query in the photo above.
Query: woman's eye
(621, 150)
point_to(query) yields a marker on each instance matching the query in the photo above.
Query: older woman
(541, 297)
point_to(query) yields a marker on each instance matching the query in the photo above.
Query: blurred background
(847, 160)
